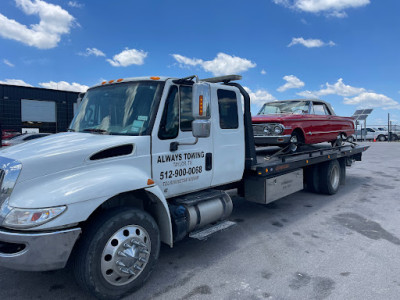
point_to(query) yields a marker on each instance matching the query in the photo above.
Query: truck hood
(62, 151)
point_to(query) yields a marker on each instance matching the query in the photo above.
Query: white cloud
(372, 100)
(15, 82)
(223, 64)
(310, 43)
(75, 4)
(292, 82)
(338, 88)
(54, 22)
(259, 97)
(92, 51)
(331, 8)
(263, 72)
(128, 57)
(8, 63)
(187, 61)
(64, 86)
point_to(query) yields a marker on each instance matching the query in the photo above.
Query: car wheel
(381, 138)
(329, 177)
(339, 140)
(395, 137)
(295, 141)
(117, 253)
(350, 139)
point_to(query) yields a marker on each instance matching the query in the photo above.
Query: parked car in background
(300, 122)
(8, 134)
(19, 139)
(371, 134)
(393, 132)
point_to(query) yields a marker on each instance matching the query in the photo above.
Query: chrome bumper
(36, 251)
(271, 140)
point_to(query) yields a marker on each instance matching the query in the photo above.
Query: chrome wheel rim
(335, 177)
(125, 255)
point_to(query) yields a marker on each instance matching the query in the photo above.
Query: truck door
(181, 170)
(228, 133)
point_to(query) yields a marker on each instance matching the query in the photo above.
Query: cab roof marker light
(111, 81)
(104, 82)
(119, 80)
(155, 78)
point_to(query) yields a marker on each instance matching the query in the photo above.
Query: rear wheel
(117, 253)
(329, 177)
(381, 138)
(339, 140)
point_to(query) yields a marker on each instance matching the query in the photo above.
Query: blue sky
(346, 52)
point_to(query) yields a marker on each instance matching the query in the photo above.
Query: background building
(36, 109)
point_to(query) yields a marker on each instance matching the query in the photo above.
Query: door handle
(208, 161)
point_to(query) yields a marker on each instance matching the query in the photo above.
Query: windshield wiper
(95, 130)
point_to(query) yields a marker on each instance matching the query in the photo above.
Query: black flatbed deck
(270, 164)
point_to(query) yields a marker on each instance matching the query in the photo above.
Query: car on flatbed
(300, 122)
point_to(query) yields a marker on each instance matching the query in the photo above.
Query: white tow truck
(147, 160)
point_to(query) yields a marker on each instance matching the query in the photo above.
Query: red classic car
(294, 122)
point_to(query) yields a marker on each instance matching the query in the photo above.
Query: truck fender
(162, 214)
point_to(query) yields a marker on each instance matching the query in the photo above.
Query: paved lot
(304, 246)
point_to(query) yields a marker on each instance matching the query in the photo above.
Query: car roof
(313, 100)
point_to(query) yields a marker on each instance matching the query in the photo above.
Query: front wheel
(295, 142)
(117, 253)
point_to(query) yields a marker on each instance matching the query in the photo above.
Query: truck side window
(228, 110)
(169, 125)
(186, 108)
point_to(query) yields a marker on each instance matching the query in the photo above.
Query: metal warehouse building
(36, 109)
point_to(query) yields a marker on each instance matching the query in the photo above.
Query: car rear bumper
(36, 251)
(272, 140)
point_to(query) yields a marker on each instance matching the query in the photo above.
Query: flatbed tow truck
(147, 160)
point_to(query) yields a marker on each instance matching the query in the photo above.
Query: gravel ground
(304, 246)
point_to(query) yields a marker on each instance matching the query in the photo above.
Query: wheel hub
(125, 255)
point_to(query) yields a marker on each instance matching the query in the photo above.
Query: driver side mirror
(201, 128)
(201, 103)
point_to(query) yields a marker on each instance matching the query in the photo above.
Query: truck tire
(117, 253)
(329, 177)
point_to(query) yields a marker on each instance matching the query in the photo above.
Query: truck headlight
(27, 218)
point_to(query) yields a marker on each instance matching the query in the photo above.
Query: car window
(319, 109)
(370, 130)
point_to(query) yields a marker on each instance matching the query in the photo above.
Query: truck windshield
(285, 107)
(122, 109)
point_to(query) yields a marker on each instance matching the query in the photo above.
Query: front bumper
(271, 140)
(36, 251)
